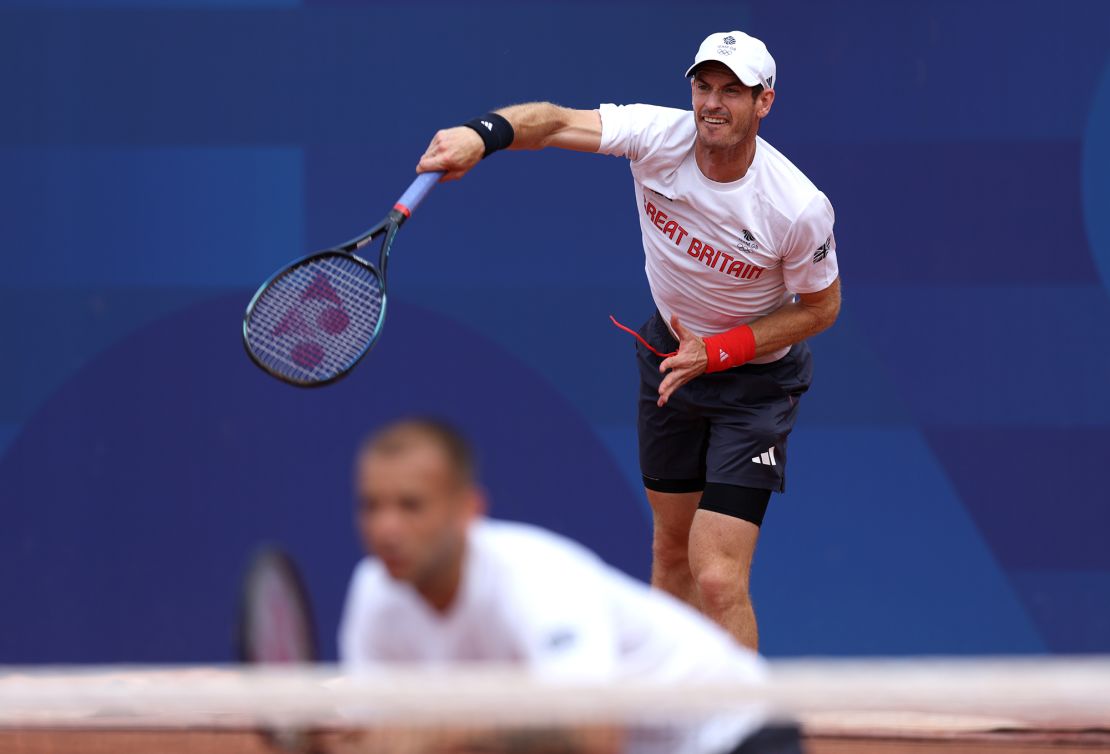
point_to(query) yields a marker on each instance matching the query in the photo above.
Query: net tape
(316, 320)
(1015, 693)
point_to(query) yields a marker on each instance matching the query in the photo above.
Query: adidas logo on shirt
(766, 458)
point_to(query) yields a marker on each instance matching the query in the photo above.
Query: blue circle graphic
(136, 492)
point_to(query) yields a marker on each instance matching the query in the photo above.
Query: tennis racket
(314, 320)
(276, 628)
(275, 616)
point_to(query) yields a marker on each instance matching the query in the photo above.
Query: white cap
(745, 56)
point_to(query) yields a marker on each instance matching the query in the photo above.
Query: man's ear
(763, 102)
(476, 502)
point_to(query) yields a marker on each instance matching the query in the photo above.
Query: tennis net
(998, 704)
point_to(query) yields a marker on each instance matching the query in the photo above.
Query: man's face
(724, 110)
(413, 512)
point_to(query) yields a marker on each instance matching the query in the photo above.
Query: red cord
(636, 335)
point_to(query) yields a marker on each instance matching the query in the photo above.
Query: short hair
(401, 436)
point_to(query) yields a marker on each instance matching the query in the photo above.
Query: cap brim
(751, 81)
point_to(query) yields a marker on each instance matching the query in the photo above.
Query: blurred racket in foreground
(276, 628)
(312, 321)
(275, 617)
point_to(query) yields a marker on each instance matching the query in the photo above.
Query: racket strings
(313, 322)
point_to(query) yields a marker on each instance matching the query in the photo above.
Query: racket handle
(416, 192)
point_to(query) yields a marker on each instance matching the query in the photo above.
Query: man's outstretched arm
(535, 125)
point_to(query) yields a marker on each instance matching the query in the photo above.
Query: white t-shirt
(720, 254)
(531, 597)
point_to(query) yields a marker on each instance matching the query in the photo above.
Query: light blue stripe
(997, 355)
(150, 216)
(8, 433)
(921, 580)
(1096, 180)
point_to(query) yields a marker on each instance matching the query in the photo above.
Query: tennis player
(446, 585)
(741, 261)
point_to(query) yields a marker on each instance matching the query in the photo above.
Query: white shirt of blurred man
(446, 585)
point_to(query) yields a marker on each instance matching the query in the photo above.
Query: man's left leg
(722, 544)
(751, 410)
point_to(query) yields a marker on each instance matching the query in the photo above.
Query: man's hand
(688, 363)
(453, 150)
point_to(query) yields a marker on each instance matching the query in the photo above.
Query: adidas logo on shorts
(766, 458)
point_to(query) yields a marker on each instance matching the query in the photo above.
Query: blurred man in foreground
(446, 585)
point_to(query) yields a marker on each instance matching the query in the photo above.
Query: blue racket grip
(416, 192)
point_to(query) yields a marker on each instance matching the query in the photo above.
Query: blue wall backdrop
(159, 158)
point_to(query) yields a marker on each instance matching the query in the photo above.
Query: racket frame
(389, 226)
(272, 557)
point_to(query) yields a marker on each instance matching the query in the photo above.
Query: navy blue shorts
(727, 427)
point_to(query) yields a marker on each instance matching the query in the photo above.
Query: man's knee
(672, 514)
(722, 584)
(670, 551)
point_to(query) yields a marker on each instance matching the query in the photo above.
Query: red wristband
(729, 349)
